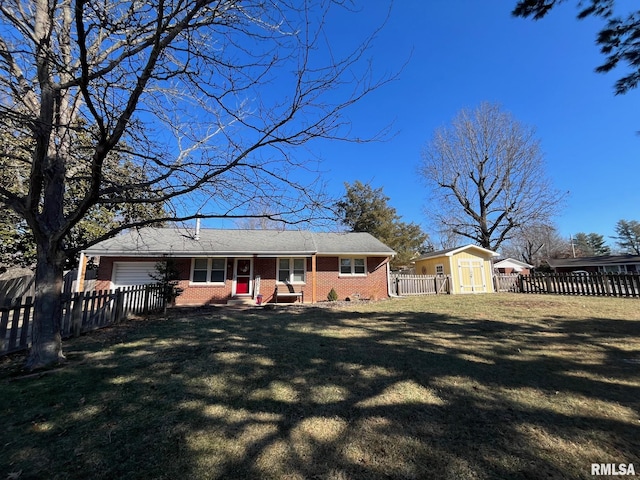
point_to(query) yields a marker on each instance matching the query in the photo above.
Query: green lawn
(450, 387)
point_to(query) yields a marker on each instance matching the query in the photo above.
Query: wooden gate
(404, 284)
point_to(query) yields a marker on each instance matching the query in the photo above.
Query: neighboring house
(602, 264)
(220, 265)
(510, 265)
(469, 267)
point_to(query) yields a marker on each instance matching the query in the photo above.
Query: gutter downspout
(314, 278)
(391, 293)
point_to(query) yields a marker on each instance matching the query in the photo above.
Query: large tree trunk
(46, 346)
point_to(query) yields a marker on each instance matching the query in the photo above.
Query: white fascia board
(199, 254)
(192, 254)
(466, 247)
(512, 263)
(284, 254)
(359, 254)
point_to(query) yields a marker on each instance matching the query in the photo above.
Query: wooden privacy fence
(595, 284)
(506, 282)
(81, 312)
(404, 284)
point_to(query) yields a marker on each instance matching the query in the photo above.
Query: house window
(209, 270)
(613, 269)
(439, 269)
(353, 266)
(291, 270)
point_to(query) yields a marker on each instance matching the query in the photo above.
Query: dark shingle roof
(602, 260)
(183, 242)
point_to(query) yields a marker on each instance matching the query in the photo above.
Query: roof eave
(164, 253)
(370, 254)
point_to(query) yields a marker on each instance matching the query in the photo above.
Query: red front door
(243, 276)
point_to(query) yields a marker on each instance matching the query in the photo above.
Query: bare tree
(261, 217)
(534, 244)
(487, 175)
(447, 239)
(206, 97)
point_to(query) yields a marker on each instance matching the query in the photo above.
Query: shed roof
(449, 252)
(147, 242)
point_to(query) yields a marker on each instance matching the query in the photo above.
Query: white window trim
(209, 264)
(608, 269)
(441, 265)
(291, 259)
(353, 267)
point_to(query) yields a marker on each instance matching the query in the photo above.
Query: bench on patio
(288, 294)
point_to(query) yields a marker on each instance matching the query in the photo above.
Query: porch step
(241, 301)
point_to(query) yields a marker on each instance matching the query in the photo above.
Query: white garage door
(133, 273)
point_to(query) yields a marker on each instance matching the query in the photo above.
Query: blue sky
(463, 52)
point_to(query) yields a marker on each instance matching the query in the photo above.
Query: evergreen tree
(590, 245)
(618, 39)
(365, 209)
(628, 237)
(167, 277)
(18, 246)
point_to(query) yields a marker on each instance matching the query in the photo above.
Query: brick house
(217, 266)
(512, 266)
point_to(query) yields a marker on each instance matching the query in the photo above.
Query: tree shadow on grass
(320, 393)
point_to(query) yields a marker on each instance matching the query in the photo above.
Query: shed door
(132, 273)
(472, 278)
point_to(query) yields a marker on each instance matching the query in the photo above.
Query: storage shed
(469, 268)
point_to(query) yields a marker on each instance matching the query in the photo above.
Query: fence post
(76, 314)
(4, 322)
(15, 324)
(145, 305)
(119, 306)
(26, 323)
(548, 283)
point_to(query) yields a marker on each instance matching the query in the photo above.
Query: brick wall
(373, 285)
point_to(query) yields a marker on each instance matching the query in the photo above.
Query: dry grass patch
(452, 387)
